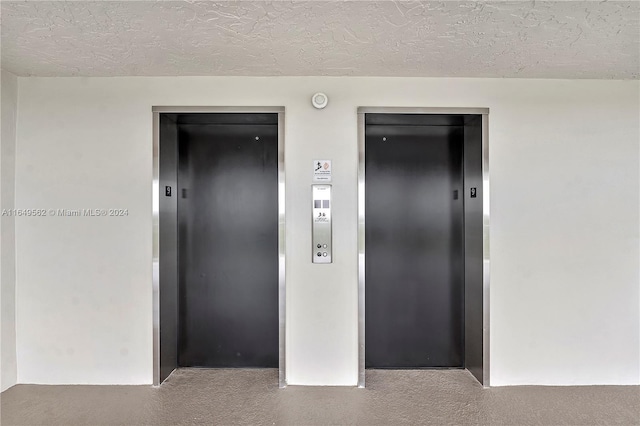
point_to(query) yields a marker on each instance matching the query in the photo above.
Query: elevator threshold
(416, 368)
(175, 374)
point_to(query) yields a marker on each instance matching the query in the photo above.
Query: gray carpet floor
(252, 397)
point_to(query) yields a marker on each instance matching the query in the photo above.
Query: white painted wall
(8, 113)
(564, 239)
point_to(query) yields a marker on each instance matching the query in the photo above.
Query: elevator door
(228, 244)
(414, 244)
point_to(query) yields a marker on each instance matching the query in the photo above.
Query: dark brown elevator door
(228, 244)
(413, 245)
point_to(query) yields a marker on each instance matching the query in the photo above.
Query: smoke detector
(319, 100)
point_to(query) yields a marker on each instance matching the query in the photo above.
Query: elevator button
(319, 246)
(324, 254)
(319, 254)
(324, 246)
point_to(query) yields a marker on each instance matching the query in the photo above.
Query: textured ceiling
(559, 39)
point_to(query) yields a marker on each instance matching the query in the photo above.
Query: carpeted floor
(224, 397)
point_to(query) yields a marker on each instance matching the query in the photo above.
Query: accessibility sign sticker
(322, 170)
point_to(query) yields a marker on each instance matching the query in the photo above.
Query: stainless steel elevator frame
(157, 110)
(485, 224)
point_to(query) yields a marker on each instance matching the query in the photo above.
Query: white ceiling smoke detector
(319, 100)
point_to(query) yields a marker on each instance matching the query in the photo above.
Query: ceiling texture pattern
(539, 39)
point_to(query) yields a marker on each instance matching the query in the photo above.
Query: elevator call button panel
(321, 217)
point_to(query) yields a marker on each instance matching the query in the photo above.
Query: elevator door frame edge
(157, 110)
(484, 112)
